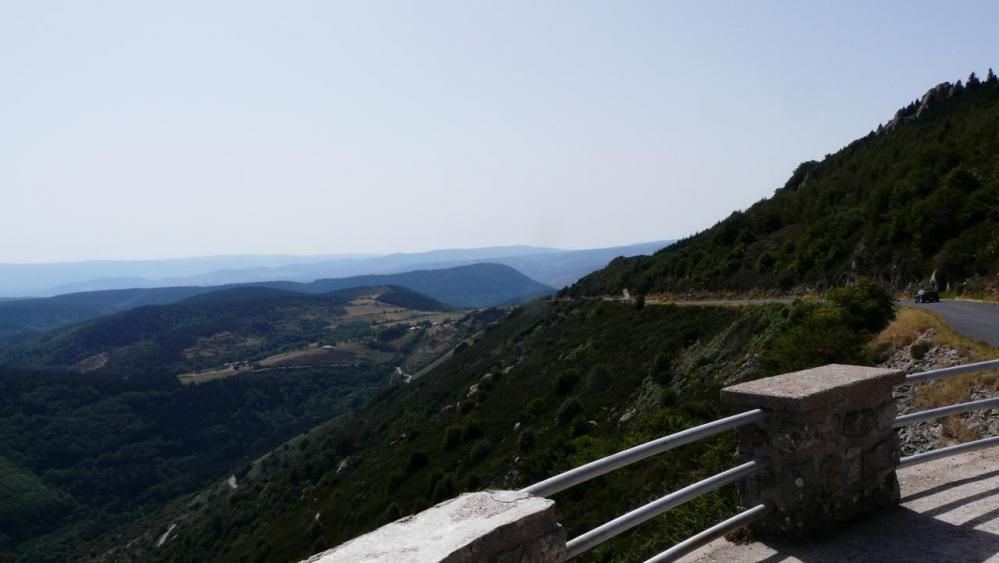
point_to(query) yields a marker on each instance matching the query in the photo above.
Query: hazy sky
(141, 129)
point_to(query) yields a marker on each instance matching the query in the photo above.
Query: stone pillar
(498, 526)
(830, 443)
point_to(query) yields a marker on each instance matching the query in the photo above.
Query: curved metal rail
(959, 408)
(948, 372)
(948, 451)
(712, 533)
(607, 464)
(602, 533)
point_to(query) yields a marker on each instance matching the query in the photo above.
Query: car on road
(927, 296)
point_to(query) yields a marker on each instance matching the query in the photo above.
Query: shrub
(444, 489)
(392, 513)
(535, 407)
(526, 440)
(452, 436)
(816, 335)
(480, 451)
(599, 379)
(432, 481)
(579, 427)
(919, 349)
(660, 371)
(566, 380)
(569, 409)
(473, 483)
(395, 479)
(472, 432)
(866, 305)
(417, 460)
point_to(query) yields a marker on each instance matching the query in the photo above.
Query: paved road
(975, 320)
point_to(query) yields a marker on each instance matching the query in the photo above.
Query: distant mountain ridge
(479, 285)
(25, 280)
(550, 266)
(476, 285)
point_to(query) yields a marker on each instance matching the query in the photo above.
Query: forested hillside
(558, 384)
(917, 196)
(81, 454)
(237, 324)
(123, 432)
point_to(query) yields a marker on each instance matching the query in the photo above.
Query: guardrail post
(830, 443)
(500, 526)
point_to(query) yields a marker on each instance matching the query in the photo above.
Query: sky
(155, 129)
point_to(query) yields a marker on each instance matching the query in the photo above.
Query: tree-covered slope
(246, 323)
(919, 195)
(79, 454)
(555, 385)
(158, 335)
(42, 314)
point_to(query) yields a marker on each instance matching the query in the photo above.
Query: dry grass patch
(910, 324)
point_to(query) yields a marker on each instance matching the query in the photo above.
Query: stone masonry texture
(830, 443)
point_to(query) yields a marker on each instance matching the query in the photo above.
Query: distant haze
(146, 130)
(551, 266)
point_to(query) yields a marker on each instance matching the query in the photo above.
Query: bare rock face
(932, 96)
(347, 465)
(500, 526)
(927, 435)
(938, 92)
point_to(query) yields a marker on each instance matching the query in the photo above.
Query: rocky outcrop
(915, 110)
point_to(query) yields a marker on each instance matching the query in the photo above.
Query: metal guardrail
(607, 464)
(939, 412)
(711, 534)
(951, 371)
(627, 521)
(948, 451)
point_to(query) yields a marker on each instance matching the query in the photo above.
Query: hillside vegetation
(243, 324)
(80, 454)
(556, 385)
(919, 195)
(83, 453)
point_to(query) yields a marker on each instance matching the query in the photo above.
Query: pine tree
(973, 81)
(991, 78)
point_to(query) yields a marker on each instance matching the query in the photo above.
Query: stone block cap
(443, 532)
(810, 389)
